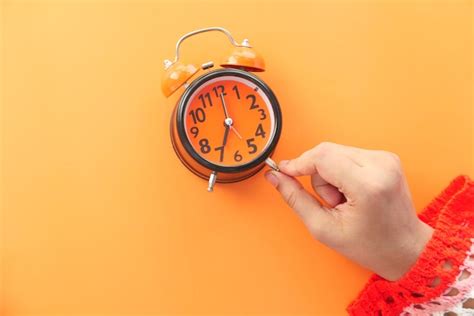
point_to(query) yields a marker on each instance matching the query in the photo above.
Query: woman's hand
(369, 216)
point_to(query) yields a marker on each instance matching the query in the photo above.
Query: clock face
(230, 121)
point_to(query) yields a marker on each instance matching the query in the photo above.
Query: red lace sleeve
(451, 215)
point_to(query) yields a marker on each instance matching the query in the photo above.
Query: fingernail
(271, 178)
(283, 163)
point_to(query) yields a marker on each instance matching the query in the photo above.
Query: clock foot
(212, 181)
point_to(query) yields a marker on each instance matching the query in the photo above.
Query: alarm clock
(227, 121)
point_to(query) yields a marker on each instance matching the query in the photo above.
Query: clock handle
(245, 42)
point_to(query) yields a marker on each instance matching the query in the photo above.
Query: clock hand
(235, 131)
(224, 142)
(226, 114)
(226, 135)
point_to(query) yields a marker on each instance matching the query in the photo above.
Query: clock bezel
(196, 84)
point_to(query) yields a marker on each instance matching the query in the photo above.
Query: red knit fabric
(451, 215)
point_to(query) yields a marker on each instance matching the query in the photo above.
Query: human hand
(369, 216)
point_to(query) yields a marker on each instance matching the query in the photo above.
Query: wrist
(406, 252)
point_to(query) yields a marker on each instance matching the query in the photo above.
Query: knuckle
(394, 167)
(291, 198)
(376, 187)
(393, 161)
(385, 183)
(390, 159)
(322, 149)
(388, 173)
(395, 158)
(393, 170)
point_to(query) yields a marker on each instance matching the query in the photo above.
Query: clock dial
(229, 121)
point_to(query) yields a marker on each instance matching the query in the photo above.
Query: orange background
(100, 217)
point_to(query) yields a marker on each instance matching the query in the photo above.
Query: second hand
(235, 131)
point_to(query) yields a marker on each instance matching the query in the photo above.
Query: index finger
(338, 165)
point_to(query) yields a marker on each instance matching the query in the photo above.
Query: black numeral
(222, 91)
(252, 147)
(237, 156)
(198, 115)
(260, 131)
(253, 105)
(221, 148)
(195, 131)
(204, 143)
(262, 114)
(236, 89)
(203, 99)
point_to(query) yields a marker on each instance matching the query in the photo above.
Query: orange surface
(100, 217)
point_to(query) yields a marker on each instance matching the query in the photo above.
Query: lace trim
(459, 309)
(453, 299)
(452, 215)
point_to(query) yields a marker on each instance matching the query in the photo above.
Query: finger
(329, 193)
(336, 164)
(304, 204)
(305, 163)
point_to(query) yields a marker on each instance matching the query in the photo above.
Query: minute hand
(228, 121)
(226, 114)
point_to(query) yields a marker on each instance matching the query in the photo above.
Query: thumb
(312, 213)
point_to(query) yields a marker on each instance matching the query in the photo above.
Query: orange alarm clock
(227, 122)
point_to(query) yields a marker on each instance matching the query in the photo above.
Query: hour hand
(226, 135)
